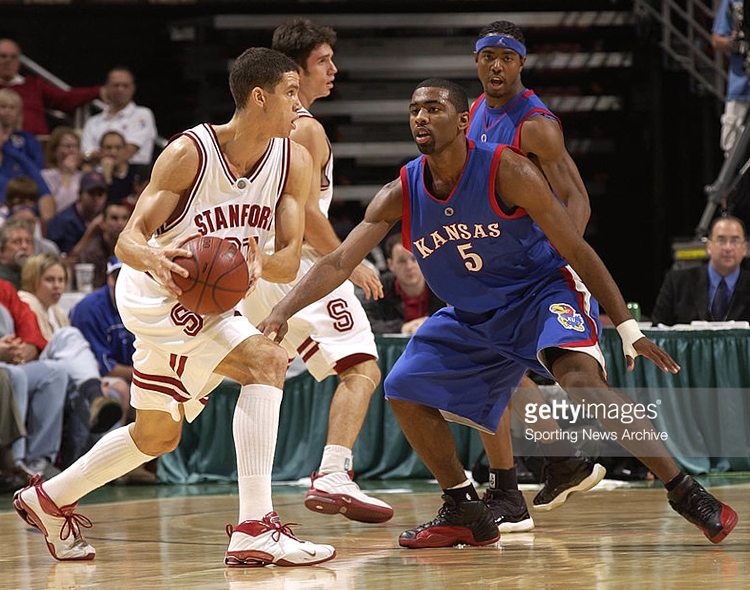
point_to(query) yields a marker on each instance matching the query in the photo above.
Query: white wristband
(629, 333)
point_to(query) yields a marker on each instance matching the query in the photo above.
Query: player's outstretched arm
(521, 184)
(543, 138)
(173, 174)
(283, 264)
(334, 268)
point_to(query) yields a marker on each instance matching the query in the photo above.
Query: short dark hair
(19, 189)
(456, 94)
(502, 27)
(299, 37)
(257, 67)
(728, 218)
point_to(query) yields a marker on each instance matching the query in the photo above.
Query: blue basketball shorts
(468, 365)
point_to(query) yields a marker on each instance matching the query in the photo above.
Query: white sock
(255, 427)
(113, 456)
(335, 458)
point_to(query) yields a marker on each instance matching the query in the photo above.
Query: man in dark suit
(718, 291)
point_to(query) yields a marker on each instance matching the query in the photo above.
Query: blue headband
(501, 41)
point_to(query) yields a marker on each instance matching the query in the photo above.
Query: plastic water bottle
(635, 310)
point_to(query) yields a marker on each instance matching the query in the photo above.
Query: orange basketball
(218, 277)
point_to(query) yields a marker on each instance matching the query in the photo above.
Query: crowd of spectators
(65, 196)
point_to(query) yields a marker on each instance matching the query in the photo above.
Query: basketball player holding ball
(236, 181)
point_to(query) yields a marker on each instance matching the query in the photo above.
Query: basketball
(218, 276)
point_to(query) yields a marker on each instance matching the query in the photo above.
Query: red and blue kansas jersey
(503, 124)
(474, 254)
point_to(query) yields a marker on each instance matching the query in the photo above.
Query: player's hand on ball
(368, 280)
(163, 266)
(658, 355)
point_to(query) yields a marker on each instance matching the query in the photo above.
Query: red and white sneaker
(255, 543)
(61, 526)
(335, 493)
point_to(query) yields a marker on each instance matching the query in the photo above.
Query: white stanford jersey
(326, 191)
(177, 350)
(219, 204)
(326, 177)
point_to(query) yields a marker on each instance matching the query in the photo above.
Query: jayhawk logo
(567, 316)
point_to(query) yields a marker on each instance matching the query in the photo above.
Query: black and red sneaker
(564, 476)
(698, 506)
(467, 522)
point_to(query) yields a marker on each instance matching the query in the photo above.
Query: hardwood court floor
(618, 539)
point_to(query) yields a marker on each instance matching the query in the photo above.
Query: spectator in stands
(113, 164)
(407, 300)
(63, 172)
(16, 245)
(97, 317)
(21, 153)
(717, 291)
(140, 182)
(70, 225)
(728, 38)
(36, 93)
(101, 244)
(22, 202)
(11, 430)
(104, 401)
(39, 385)
(135, 123)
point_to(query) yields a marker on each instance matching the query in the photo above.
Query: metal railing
(82, 113)
(686, 38)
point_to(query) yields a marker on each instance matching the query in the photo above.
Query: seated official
(407, 300)
(718, 291)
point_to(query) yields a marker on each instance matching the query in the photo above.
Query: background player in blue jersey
(508, 113)
(492, 239)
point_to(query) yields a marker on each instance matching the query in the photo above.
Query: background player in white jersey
(224, 180)
(332, 335)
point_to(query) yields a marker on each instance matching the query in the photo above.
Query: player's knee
(578, 381)
(156, 435)
(366, 374)
(268, 364)
(157, 443)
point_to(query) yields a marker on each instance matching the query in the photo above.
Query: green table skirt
(715, 360)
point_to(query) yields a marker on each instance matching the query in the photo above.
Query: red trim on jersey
(181, 366)
(405, 211)
(310, 352)
(570, 280)
(474, 107)
(470, 146)
(183, 204)
(263, 160)
(350, 361)
(286, 158)
(526, 117)
(492, 192)
(224, 164)
(159, 389)
(302, 347)
(161, 379)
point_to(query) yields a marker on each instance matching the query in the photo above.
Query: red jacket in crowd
(38, 95)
